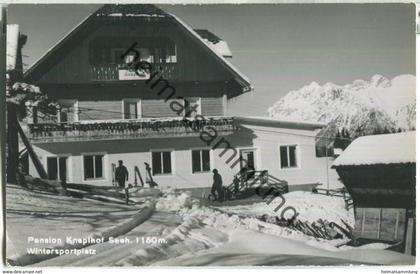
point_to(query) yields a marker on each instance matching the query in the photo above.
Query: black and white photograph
(221, 135)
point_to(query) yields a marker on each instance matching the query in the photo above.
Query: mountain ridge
(363, 106)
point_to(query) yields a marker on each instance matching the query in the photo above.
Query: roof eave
(239, 77)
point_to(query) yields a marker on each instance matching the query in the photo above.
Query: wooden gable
(70, 61)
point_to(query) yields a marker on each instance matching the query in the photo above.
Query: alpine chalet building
(170, 117)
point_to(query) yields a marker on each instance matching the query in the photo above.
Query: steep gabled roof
(397, 148)
(137, 10)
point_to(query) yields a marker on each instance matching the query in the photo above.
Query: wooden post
(37, 163)
(3, 24)
(12, 143)
(137, 173)
(15, 75)
(409, 236)
(126, 195)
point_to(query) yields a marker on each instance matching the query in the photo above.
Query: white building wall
(266, 141)
(309, 170)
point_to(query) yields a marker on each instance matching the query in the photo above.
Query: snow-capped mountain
(362, 106)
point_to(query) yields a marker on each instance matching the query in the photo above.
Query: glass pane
(130, 110)
(62, 161)
(283, 156)
(358, 222)
(133, 110)
(156, 163)
(88, 166)
(205, 154)
(292, 156)
(64, 115)
(98, 166)
(250, 160)
(52, 168)
(371, 224)
(196, 163)
(167, 162)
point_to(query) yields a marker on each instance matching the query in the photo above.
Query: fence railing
(253, 179)
(128, 129)
(342, 193)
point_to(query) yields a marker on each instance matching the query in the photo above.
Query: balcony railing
(127, 129)
(111, 72)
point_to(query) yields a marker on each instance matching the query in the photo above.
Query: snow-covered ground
(310, 207)
(212, 237)
(42, 215)
(23, 201)
(194, 235)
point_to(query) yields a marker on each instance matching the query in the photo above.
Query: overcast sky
(279, 47)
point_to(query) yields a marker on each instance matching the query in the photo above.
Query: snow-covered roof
(380, 149)
(268, 121)
(12, 40)
(215, 42)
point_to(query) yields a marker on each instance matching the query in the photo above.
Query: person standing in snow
(121, 174)
(217, 185)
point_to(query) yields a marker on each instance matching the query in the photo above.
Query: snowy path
(108, 254)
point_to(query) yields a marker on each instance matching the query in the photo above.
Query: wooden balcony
(127, 129)
(112, 72)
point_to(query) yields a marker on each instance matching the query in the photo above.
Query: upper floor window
(68, 111)
(192, 106)
(131, 109)
(288, 156)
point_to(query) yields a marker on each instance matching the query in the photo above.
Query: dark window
(288, 156)
(62, 164)
(93, 166)
(67, 111)
(98, 166)
(200, 160)
(57, 168)
(63, 116)
(161, 162)
(52, 168)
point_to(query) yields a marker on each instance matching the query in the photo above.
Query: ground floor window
(93, 166)
(57, 168)
(161, 162)
(288, 156)
(200, 160)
